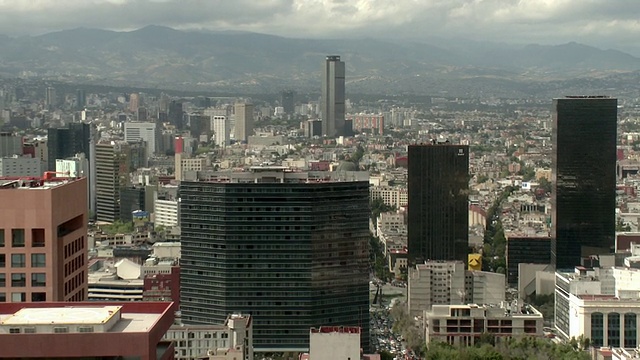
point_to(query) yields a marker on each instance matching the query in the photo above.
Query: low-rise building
(76, 330)
(462, 325)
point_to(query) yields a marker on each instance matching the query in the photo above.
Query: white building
(462, 325)
(392, 196)
(20, 166)
(75, 167)
(233, 340)
(146, 131)
(601, 304)
(448, 283)
(221, 130)
(165, 213)
(334, 342)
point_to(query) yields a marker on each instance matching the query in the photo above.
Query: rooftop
(61, 316)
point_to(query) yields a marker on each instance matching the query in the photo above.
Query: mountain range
(156, 56)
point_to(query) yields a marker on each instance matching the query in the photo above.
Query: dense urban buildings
(583, 198)
(289, 248)
(332, 105)
(86, 330)
(43, 240)
(438, 188)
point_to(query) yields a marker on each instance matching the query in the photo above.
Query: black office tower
(67, 142)
(176, 115)
(583, 198)
(287, 101)
(288, 249)
(438, 217)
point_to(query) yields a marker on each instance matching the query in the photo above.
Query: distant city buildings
(583, 198)
(243, 121)
(145, 131)
(373, 123)
(332, 101)
(438, 214)
(66, 142)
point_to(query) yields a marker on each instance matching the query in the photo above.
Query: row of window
(613, 329)
(20, 280)
(18, 239)
(22, 297)
(19, 260)
(56, 329)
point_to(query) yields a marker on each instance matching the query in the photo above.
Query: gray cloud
(604, 23)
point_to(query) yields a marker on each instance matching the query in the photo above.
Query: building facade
(243, 121)
(332, 103)
(289, 248)
(583, 198)
(20, 166)
(525, 250)
(67, 142)
(371, 122)
(221, 130)
(145, 131)
(438, 213)
(43, 240)
(112, 170)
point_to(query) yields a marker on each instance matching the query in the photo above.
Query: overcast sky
(603, 23)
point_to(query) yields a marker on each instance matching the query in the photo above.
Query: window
(613, 330)
(14, 330)
(18, 260)
(3, 297)
(3, 280)
(18, 280)
(38, 296)
(30, 330)
(3, 260)
(630, 330)
(60, 329)
(38, 279)
(38, 260)
(18, 297)
(37, 237)
(17, 237)
(85, 329)
(1, 237)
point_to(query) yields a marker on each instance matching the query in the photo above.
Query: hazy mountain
(157, 55)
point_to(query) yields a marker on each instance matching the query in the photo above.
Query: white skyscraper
(221, 130)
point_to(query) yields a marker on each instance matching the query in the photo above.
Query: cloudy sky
(604, 23)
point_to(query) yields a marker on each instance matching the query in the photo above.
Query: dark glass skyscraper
(66, 142)
(333, 97)
(291, 249)
(438, 218)
(584, 178)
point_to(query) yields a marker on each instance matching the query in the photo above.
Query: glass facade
(438, 218)
(630, 330)
(597, 329)
(583, 177)
(613, 330)
(530, 250)
(67, 142)
(293, 255)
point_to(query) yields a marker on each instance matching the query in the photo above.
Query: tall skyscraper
(221, 130)
(112, 172)
(289, 248)
(333, 97)
(438, 202)
(244, 121)
(287, 101)
(134, 102)
(50, 98)
(67, 142)
(43, 244)
(583, 198)
(81, 99)
(176, 115)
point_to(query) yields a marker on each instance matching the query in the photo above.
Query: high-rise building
(289, 248)
(131, 199)
(10, 144)
(176, 115)
(438, 214)
(244, 121)
(43, 244)
(221, 130)
(67, 142)
(333, 97)
(50, 98)
(287, 101)
(526, 250)
(146, 131)
(20, 166)
(134, 102)
(81, 99)
(112, 171)
(583, 199)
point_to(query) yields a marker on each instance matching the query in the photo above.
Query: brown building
(93, 330)
(43, 240)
